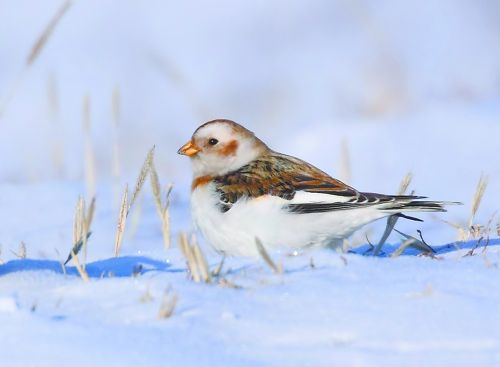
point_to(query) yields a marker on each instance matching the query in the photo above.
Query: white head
(221, 146)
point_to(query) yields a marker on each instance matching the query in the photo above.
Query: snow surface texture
(405, 86)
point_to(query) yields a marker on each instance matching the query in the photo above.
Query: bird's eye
(212, 141)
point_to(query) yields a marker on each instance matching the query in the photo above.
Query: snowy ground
(399, 86)
(346, 309)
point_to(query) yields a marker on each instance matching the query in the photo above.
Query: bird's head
(221, 146)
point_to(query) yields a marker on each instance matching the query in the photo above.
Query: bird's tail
(415, 204)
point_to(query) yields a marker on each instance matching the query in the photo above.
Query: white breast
(234, 231)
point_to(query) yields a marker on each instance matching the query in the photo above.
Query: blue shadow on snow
(117, 267)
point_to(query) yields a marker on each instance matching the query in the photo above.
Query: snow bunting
(243, 190)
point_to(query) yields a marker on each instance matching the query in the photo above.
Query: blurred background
(366, 90)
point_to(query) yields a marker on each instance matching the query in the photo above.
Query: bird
(244, 194)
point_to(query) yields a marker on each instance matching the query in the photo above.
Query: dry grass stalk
(142, 177)
(201, 262)
(478, 196)
(122, 218)
(79, 268)
(81, 228)
(266, 257)
(126, 206)
(162, 209)
(165, 227)
(407, 243)
(21, 254)
(405, 183)
(195, 259)
(167, 306)
(78, 220)
(35, 52)
(415, 243)
(44, 37)
(392, 220)
(87, 222)
(189, 256)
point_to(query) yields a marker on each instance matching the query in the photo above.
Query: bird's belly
(234, 232)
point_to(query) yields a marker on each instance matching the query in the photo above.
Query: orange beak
(188, 149)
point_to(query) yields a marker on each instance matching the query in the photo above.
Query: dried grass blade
(76, 248)
(417, 244)
(478, 196)
(87, 222)
(155, 186)
(265, 256)
(167, 306)
(407, 243)
(202, 263)
(44, 37)
(142, 177)
(190, 257)
(393, 219)
(81, 271)
(122, 218)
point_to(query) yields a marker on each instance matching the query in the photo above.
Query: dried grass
(162, 209)
(81, 228)
(127, 205)
(413, 242)
(466, 231)
(45, 35)
(168, 304)
(476, 200)
(122, 219)
(267, 258)
(79, 268)
(142, 177)
(195, 259)
(392, 220)
(22, 252)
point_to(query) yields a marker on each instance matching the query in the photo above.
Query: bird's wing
(306, 188)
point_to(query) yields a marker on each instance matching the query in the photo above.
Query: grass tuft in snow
(22, 252)
(476, 201)
(126, 206)
(195, 259)
(81, 228)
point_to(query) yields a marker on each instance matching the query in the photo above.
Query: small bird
(242, 190)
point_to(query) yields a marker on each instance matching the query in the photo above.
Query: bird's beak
(188, 149)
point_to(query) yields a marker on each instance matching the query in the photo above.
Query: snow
(405, 86)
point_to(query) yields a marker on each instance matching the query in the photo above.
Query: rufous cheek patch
(229, 149)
